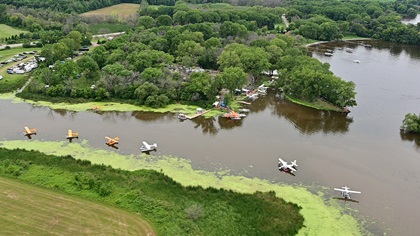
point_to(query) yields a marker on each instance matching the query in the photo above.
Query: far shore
(341, 40)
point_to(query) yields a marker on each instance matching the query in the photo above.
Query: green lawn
(7, 31)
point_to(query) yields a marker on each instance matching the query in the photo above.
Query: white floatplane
(148, 147)
(283, 166)
(345, 192)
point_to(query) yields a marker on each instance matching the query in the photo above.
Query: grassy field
(7, 31)
(31, 210)
(120, 11)
(101, 28)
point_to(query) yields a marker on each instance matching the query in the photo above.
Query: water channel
(363, 149)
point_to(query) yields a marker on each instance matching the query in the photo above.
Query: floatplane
(234, 116)
(112, 141)
(289, 168)
(345, 192)
(148, 147)
(28, 132)
(71, 135)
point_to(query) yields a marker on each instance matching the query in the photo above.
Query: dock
(197, 114)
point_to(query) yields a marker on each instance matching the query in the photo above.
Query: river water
(363, 150)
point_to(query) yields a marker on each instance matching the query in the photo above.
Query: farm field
(120, 11)
(31, 210)
(7, 31)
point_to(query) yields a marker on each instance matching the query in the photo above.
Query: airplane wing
(146, 145)
(27, 129)
(69, 134)
(351, 191)
(108, 138)
(282, 162)
(291, 168)
(341, 190)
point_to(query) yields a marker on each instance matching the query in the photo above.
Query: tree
(252, 60)
(163, 20)
(146, 21)
(233, 78)
(145, 90)
(88, 67)
(411, 123)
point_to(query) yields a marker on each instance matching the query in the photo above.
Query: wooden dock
(197, 114)
(243, 102)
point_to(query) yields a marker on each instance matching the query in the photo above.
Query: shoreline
(321, 216)
(333, 41)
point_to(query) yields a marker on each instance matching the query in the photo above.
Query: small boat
(356, 61)
(244, 110)
(349, 50)
(328, 54)
(182, 116)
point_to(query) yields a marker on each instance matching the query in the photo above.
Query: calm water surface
(363, 150)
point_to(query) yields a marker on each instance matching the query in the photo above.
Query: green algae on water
(320, 218)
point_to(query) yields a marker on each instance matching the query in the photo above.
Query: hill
(31, 210)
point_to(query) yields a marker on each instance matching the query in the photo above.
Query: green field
(120, 12)
(31, 210)
(7, 31)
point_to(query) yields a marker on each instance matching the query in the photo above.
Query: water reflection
(411, 138)
(207, 125)
(310, 121)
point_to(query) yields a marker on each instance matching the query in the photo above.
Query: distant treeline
(171, 208)
(328, 20)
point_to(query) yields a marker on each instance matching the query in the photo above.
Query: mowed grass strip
(121, 11)
(30, 210)
(7, 31)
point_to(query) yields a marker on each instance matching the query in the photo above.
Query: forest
(174, 55)
(188, 53)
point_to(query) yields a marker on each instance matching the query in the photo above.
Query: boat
(244, 110)
(349, 50)
(182, 116)
(328, 54)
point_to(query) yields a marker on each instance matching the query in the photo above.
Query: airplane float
(345, 192)
(290, 168)
(112, 141)
(148, 147)
(70, 135)
(28, 132)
